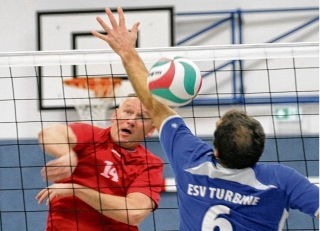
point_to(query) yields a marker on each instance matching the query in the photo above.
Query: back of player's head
(239, 140)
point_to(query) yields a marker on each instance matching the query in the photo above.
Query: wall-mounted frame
(69, 30)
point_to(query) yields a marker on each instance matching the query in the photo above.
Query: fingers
(58, 169)
(103, 24)
(39, 196)
(45, 193)
(122, 21)
(50, 173)
(115, 30)
(112, 19)
(134, 29)
(98, 35)
(44, 174)
(55, 173)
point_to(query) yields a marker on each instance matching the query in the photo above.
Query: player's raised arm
(123, 43)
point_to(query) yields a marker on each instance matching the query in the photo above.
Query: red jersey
(107, 168)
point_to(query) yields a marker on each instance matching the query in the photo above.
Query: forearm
(138, 74)
(123, 209)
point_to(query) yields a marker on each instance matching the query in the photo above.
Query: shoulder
(277, 174)
(274, 168)
(172, 122)
(174, 131)
(84, 131)
(86, 126)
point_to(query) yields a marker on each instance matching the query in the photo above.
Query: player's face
(131, 123)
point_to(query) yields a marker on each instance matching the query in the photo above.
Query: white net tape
(196, 53)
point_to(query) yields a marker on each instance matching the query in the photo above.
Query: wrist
(129, 54)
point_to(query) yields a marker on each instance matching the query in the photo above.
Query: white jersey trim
(284, 217)
(243, 176)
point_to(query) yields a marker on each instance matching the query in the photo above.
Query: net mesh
(92, 97)
(278, 84)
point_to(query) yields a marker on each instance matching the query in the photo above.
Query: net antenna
(92, 97)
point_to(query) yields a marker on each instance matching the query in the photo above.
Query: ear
(113, 116)
(151, 131)
(216, 153)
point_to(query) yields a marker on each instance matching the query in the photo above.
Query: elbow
(43, 134)
(136, 217)
(40, 137)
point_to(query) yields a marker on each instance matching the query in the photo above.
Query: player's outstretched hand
(119, 38)
(56, 190)
(60, 168)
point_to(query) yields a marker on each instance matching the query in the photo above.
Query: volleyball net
(278, 84)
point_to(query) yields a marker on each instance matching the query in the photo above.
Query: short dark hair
(239, 140)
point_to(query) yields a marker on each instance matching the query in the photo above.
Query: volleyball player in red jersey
(104, 178)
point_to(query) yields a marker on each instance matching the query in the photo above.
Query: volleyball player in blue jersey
(223, 189)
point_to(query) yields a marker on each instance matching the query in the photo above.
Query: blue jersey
(211, 196)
